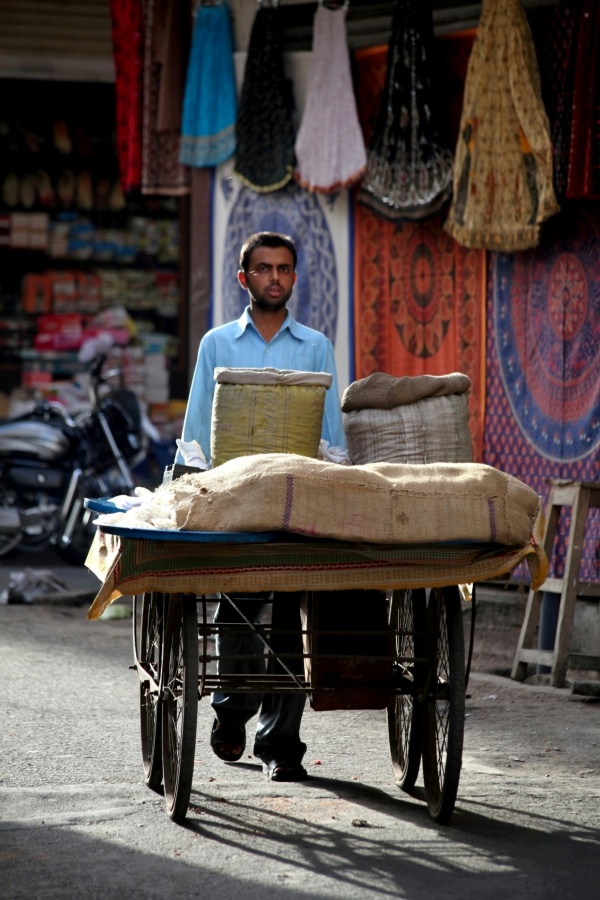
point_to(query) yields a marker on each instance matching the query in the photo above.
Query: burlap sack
(413, 419)
(383, 391)
(435, 429)
(266, 411)
(380, 502)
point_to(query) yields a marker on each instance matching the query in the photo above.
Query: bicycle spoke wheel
(407, 622)
(149, 659)
(444, 704)
(180, 703)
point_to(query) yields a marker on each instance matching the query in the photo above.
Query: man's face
(270, 277)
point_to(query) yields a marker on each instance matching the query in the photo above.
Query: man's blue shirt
(239, 345)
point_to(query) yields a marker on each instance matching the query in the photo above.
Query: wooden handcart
(421, 673)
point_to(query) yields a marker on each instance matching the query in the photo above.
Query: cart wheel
(444, 704)
(407, 622)
(149, 659)
(180, 702)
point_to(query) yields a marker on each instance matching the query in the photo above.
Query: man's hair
(265, 239)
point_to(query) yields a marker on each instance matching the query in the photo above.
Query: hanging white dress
(330, 148)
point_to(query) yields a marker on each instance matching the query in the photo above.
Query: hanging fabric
(127, 32)
(584, 161)
(210, 101)
(556, 37)
(330, 150)
(264, 131)
(165, 52)
(567, 40)
(409, 174)
(503, 165)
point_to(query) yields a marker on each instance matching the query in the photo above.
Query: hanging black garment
(409, 176)
(265, 137)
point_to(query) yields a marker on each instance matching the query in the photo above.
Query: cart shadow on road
(337, 864)
(465, 820)
(296, 847)
(383, 848)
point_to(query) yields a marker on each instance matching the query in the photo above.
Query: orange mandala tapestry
(419, 296)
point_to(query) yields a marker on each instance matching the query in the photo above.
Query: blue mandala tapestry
(543, 365)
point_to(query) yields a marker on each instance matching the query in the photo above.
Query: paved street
(76, 819)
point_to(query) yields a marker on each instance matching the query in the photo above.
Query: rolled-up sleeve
(333, 428)
(196, 425)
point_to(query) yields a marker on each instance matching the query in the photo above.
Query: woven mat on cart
(376, 526)
(134, 565)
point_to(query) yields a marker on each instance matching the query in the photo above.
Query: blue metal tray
(197, 537)
(101, 505)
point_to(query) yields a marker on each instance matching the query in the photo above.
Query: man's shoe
(275, 770)
(228, 741)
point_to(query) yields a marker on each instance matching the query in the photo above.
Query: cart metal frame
(175, 662)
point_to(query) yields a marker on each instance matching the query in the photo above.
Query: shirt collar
(245, 321)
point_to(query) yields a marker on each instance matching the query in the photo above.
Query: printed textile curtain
(419, 297)
(409, 172)
(543, 366)
(502, 188)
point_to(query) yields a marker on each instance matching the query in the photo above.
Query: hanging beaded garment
(409, 176)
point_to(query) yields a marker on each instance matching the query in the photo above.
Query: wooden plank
(571, 580)
(539, 657)
(584, 588)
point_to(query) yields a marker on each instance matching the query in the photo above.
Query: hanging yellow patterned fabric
(502, 188)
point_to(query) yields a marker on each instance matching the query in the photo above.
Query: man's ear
(241, 277)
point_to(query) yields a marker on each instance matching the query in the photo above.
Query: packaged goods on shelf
(64, 291)
(157, 342)
(37, 293)
(82, 239)
(5, 221)
(16, 334)
(59, 332)
(29, 231)
(58, 240)
(89, 296)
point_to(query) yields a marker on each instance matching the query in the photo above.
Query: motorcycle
(50, 461)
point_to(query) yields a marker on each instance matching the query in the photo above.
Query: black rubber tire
(150, 650)
(179, 702)
(444, 703)
(407, 624)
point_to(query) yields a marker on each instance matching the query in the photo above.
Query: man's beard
(272, 304)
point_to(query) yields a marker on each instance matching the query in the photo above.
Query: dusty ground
(77, 820)
(526, 726)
